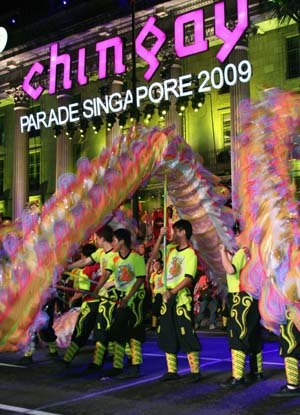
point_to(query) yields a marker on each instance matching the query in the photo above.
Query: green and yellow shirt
(238, 261)
(156, 279)
(180, 263)
(110, 283)
(126, 270)
(97, 255)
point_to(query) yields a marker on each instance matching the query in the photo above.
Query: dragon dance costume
(176, 331)
(128, 322)
(243, 323)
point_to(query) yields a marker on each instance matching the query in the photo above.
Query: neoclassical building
(91, 59)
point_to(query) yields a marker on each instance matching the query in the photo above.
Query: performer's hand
(166, 296)
(123, 303)
(163, 231)
(222, 248)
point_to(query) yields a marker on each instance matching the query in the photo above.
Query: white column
(20, 184)
(64, 146)
(172, 116)
(116, 86)
(238, 93)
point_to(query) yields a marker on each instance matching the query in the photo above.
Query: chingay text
(200, 44)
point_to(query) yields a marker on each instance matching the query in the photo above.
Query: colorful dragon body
(86, 200)
(265, 196)
(268, 206)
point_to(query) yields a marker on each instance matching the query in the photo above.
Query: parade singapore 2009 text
(156, 92)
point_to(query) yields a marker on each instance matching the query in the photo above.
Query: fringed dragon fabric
(267, 202)
(36, 253)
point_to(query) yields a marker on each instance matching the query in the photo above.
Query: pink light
(101, 48)
(230, 37)
(200, 44)
(34, 93)
(149, 56)
(55, 60)
(81, 76)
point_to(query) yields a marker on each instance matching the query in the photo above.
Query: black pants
(289, 339)
(156, 304)
(244, 330)
(105, 316)
(47, 333)
(85, 322)
(128, 322)
(176, 331)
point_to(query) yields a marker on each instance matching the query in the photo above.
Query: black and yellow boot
(172, 368)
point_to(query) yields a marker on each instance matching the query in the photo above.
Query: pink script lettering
(198, 45)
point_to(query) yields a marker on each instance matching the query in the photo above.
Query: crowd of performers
(110, 284)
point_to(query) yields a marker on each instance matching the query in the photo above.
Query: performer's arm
(226, 260)
(186, 282)
(104, 277)
(136, 286)
(80, 263)
(155, 250)
(75, 297)
(152, 289)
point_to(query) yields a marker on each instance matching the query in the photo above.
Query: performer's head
(104, 234)
(182, 228)
(33, 207)
(239, 235)
(121, 237)
(158, 265)
(87, 250)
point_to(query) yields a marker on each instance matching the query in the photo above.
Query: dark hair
(183, 224)
(105, 232)
(160, 261)
(159, 221)
(28, 205)
(123, 235)
(88, 249)
(237, 228)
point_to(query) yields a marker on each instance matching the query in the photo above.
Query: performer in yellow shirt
(244, 331)
(176, 331)
(157, 288)
(129, 272)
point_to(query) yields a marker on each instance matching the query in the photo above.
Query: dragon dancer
(244, 320)
(127, 326)
(88, 277)
(176, 331)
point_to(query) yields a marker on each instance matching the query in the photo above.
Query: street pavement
(47, 387)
